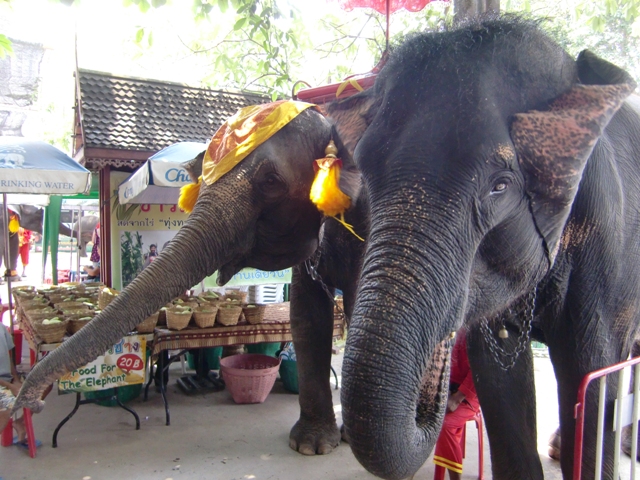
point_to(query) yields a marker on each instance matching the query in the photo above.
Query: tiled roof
(135, 114)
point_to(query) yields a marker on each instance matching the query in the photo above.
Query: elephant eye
(499, 187)
(272, 186)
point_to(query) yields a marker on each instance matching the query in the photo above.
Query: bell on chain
(503, 333)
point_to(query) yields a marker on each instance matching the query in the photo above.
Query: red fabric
(461, 371)
(381, 5)
(448, 452)
(24, 253)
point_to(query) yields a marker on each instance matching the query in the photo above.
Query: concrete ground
(211, 437)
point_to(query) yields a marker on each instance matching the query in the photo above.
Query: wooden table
(275, 327)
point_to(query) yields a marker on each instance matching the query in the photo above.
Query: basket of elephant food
(178, 317)
(41, 314)
(73, 305)
(51, 330)
(76, 322)
(228, 314)
(209, 297)
(148, 325)
(254, 313)
(249, 376)
(205, 315)
(106, 296)
(235, 296)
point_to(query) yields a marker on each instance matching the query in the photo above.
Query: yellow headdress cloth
(242, 133)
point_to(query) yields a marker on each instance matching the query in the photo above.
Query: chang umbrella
(386, 7)
(159, 179)
(36, 167)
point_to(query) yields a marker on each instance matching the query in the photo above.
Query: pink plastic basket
(249, 377)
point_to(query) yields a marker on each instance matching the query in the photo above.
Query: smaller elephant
(87, 226)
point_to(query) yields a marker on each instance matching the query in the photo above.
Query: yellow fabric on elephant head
(242, 133)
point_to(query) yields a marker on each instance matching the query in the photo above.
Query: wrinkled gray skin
(468, 215)
(489, 176)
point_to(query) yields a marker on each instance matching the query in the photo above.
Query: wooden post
(467, 9)
(105, 225)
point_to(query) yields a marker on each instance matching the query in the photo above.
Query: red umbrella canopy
(381, 5)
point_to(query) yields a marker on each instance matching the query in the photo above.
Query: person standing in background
(462, 406)
(24, 245)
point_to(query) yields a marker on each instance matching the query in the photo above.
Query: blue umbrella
(159, 179)
(34, 166)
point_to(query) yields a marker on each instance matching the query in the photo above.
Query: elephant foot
(343, 434)
(627, 435)
(554, 445)
(310, 438)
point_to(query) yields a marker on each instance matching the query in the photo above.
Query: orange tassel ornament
(189, 195)
(325, 190)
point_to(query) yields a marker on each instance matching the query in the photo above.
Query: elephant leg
(14, 251)
(316, 431)
(507, 399)
(569, 374)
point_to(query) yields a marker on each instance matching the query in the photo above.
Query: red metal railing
(618, 421)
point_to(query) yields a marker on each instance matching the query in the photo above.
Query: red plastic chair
(7, 434)
(440, 471)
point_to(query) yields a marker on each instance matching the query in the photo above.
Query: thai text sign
(251, 276)
(122, 364)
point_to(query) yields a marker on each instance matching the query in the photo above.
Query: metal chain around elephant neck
(312, 270)
(505, 359)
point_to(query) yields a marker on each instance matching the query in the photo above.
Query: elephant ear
(350, 118)
(194, 167)
(553, 147)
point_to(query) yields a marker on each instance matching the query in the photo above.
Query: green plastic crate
(289, 375)
(266, 348)
(211, 355)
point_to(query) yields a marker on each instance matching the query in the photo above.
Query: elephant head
(258, 214)
(477, 145)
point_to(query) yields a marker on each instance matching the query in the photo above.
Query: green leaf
(144, 6)
(139, 35)
(223, 5)
(6, 47)
(240, 24)
(150, 39)
(158, 3)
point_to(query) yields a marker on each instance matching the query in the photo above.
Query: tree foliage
(610, 28)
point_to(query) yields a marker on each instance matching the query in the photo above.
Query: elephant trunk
(199, 248)
(396, 366)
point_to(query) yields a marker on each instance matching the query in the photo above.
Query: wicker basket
(38, 315)
(249, 377)
(75, 324)
(205, 319)
(240, 297)
(106, 296)
(148, 324)
(228, 314)
(177, 320)
(51, 333)
(255, 314)
(71, 306)
(34, 304)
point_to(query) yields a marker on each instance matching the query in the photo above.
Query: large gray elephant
(488, 174)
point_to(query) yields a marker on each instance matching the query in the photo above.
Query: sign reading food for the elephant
(144, 230)
(123, 364)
